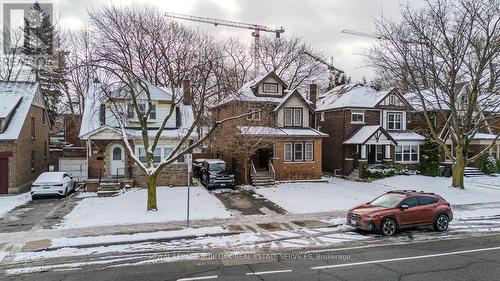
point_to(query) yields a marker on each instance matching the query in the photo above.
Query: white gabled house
(107, 153)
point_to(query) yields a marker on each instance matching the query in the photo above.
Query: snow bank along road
(471, 258)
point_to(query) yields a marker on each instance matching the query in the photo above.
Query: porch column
(387, 152)
(363, 151)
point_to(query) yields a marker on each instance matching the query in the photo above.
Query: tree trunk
(245, 171)
(458, 168)
(151, 185)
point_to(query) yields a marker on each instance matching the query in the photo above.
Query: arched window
(117, 153)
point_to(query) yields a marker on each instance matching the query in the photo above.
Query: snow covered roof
(24, 94)
(406, 136)
(350, 95)
(8, 106)
(365, 133)
(246, 92)
(280, 132)
(91, 123)
(483, 136)
(289, 95)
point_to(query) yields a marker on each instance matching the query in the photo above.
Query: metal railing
(272, 171)
(253, 171)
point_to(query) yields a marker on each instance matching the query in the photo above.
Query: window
(45, 150)
(407, 153)
(130, 111)
(392, 100)
(394, 121)
(156, 155)
(293, 117)
(102, 114)
(464, 99)
(426, 200)
(298, 153)
(322, 116)
(288, 117)
(33, 162)
(270, 87)
(152, 114)
(142, 109)
(33, 129)
(166, 152)
(117, 153)
(412, 202)
(288, 151)
(309, 151)
(43, 116)
(254, 116)
(357, 117)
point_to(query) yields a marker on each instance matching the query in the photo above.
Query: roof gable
(290, 95)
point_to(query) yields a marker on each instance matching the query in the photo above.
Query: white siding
(294, 102)
(270, 80)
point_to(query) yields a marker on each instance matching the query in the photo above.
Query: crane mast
(328, 65)
(257, 28)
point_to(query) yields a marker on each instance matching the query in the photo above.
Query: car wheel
(34, 197)
(388, 227)
(441, 223)
(65, 192)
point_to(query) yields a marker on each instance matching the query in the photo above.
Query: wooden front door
(4, 175)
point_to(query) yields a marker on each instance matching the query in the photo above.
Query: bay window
(299, 151)
(407, 153)
(288, 151)
(309, 150)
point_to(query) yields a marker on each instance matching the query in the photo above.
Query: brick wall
(20, 173)
(171, 175)
(297, 170)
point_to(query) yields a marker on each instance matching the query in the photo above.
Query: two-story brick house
(366, 126)
(284, 119)
(107, 155)
(24, 135)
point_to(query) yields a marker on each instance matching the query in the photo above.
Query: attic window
(392, 100)
(270, 88)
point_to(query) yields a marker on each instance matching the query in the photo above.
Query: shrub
(498, 166)
(429, 159)
(383, 171)
(490, 165)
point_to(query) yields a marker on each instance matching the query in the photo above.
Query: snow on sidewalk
(9, 202)
(130, 208)
(339, 194)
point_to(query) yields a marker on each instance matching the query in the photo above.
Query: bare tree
(447, 55)
(12, 66)
(138, 47)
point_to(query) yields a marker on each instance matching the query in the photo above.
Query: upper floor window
(255, 116)
(392, 99)
(142, 109)
(293, 117)
(43, 116)
(357, 117)
(394, 121)
(464, 99)
(322, 116)
(33, 127)
(270, 88)
(102, 114)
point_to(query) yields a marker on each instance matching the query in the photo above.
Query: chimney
(186, 92)
(313, 93)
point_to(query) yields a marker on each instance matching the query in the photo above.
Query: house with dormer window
(283, 119)
(106, 152)
(366, 126)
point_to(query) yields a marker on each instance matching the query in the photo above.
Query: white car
(52, 183)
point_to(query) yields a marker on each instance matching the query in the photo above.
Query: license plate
(353, 221)
(46, 187)
(222, 184)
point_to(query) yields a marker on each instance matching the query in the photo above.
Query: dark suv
(215, 173)
(401, 209)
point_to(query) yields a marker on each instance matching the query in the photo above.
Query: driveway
(40, 213)
(247, 202)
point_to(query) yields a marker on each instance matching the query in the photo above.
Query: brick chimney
(313, 88)
(187, 98)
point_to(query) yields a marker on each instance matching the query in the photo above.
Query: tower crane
(257, 28)
(364, 34)
(328, 65)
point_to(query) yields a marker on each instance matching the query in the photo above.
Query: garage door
(75, 166)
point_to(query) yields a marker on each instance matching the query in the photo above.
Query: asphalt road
(471, 258)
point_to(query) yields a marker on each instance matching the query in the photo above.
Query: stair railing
(272, 172)
(253, 171)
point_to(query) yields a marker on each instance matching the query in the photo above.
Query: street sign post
(189, 158)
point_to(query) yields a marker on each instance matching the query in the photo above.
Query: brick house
(486, 135)
(24, 135)
(366, 126)
(284, 120)
(107, 156)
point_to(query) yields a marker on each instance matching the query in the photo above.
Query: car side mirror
(404, 206)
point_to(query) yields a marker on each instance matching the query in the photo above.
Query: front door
(117, 160)
(4, 175)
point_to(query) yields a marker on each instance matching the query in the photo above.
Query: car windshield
(387, 200)
(217, 167)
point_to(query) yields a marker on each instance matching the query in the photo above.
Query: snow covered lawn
(9, 202)
(340, 194)
(130, 208)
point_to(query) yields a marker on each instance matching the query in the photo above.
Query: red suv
(401, 209)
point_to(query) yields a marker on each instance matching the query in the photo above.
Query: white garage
(75, 166)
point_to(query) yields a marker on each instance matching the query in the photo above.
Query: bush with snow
(378, 171)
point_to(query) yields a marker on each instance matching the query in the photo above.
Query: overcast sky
(318, 22)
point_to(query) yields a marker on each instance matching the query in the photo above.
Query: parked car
(52, 183)
(401, 209)
(215, 173)
(197, 165)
